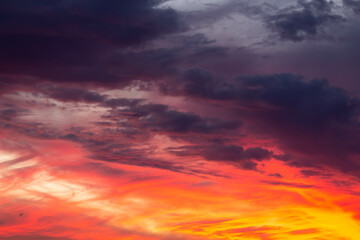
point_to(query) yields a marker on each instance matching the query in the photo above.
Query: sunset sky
(179, 120)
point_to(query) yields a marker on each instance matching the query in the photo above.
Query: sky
(179, 120)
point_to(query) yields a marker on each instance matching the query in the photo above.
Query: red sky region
(58, 192)
(189, 120)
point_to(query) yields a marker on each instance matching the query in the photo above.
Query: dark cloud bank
(311, 118)
(304, 21)
(70, 42)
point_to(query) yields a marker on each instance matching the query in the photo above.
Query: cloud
(353, 4)
(126, 134)
(123, 23)
(303, 22)
(197, 82)
(64, 94)
(69, 40)
(296, 185)
(159, 118)
(7, 114)
(233, 154)
(312, 118)
(309, 118)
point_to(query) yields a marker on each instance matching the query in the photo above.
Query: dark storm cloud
(174, 121)
(233, 154)
(153, 64)
(145, 65)
(296, 161)
(335, 60)
(304, 21)
(227, 9)
(312, 104)
(122, 23)
(95, 42)
(310, 118)
(159, 118)
(353, 4)
(69, 40)
(197, 82)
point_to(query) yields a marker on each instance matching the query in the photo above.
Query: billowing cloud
(73, 38)
(311, 118)
(304, 21)
(353, 4)
(233, 154)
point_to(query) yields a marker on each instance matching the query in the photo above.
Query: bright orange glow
(132, 202)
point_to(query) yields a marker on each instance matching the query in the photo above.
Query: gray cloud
(304, 21)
